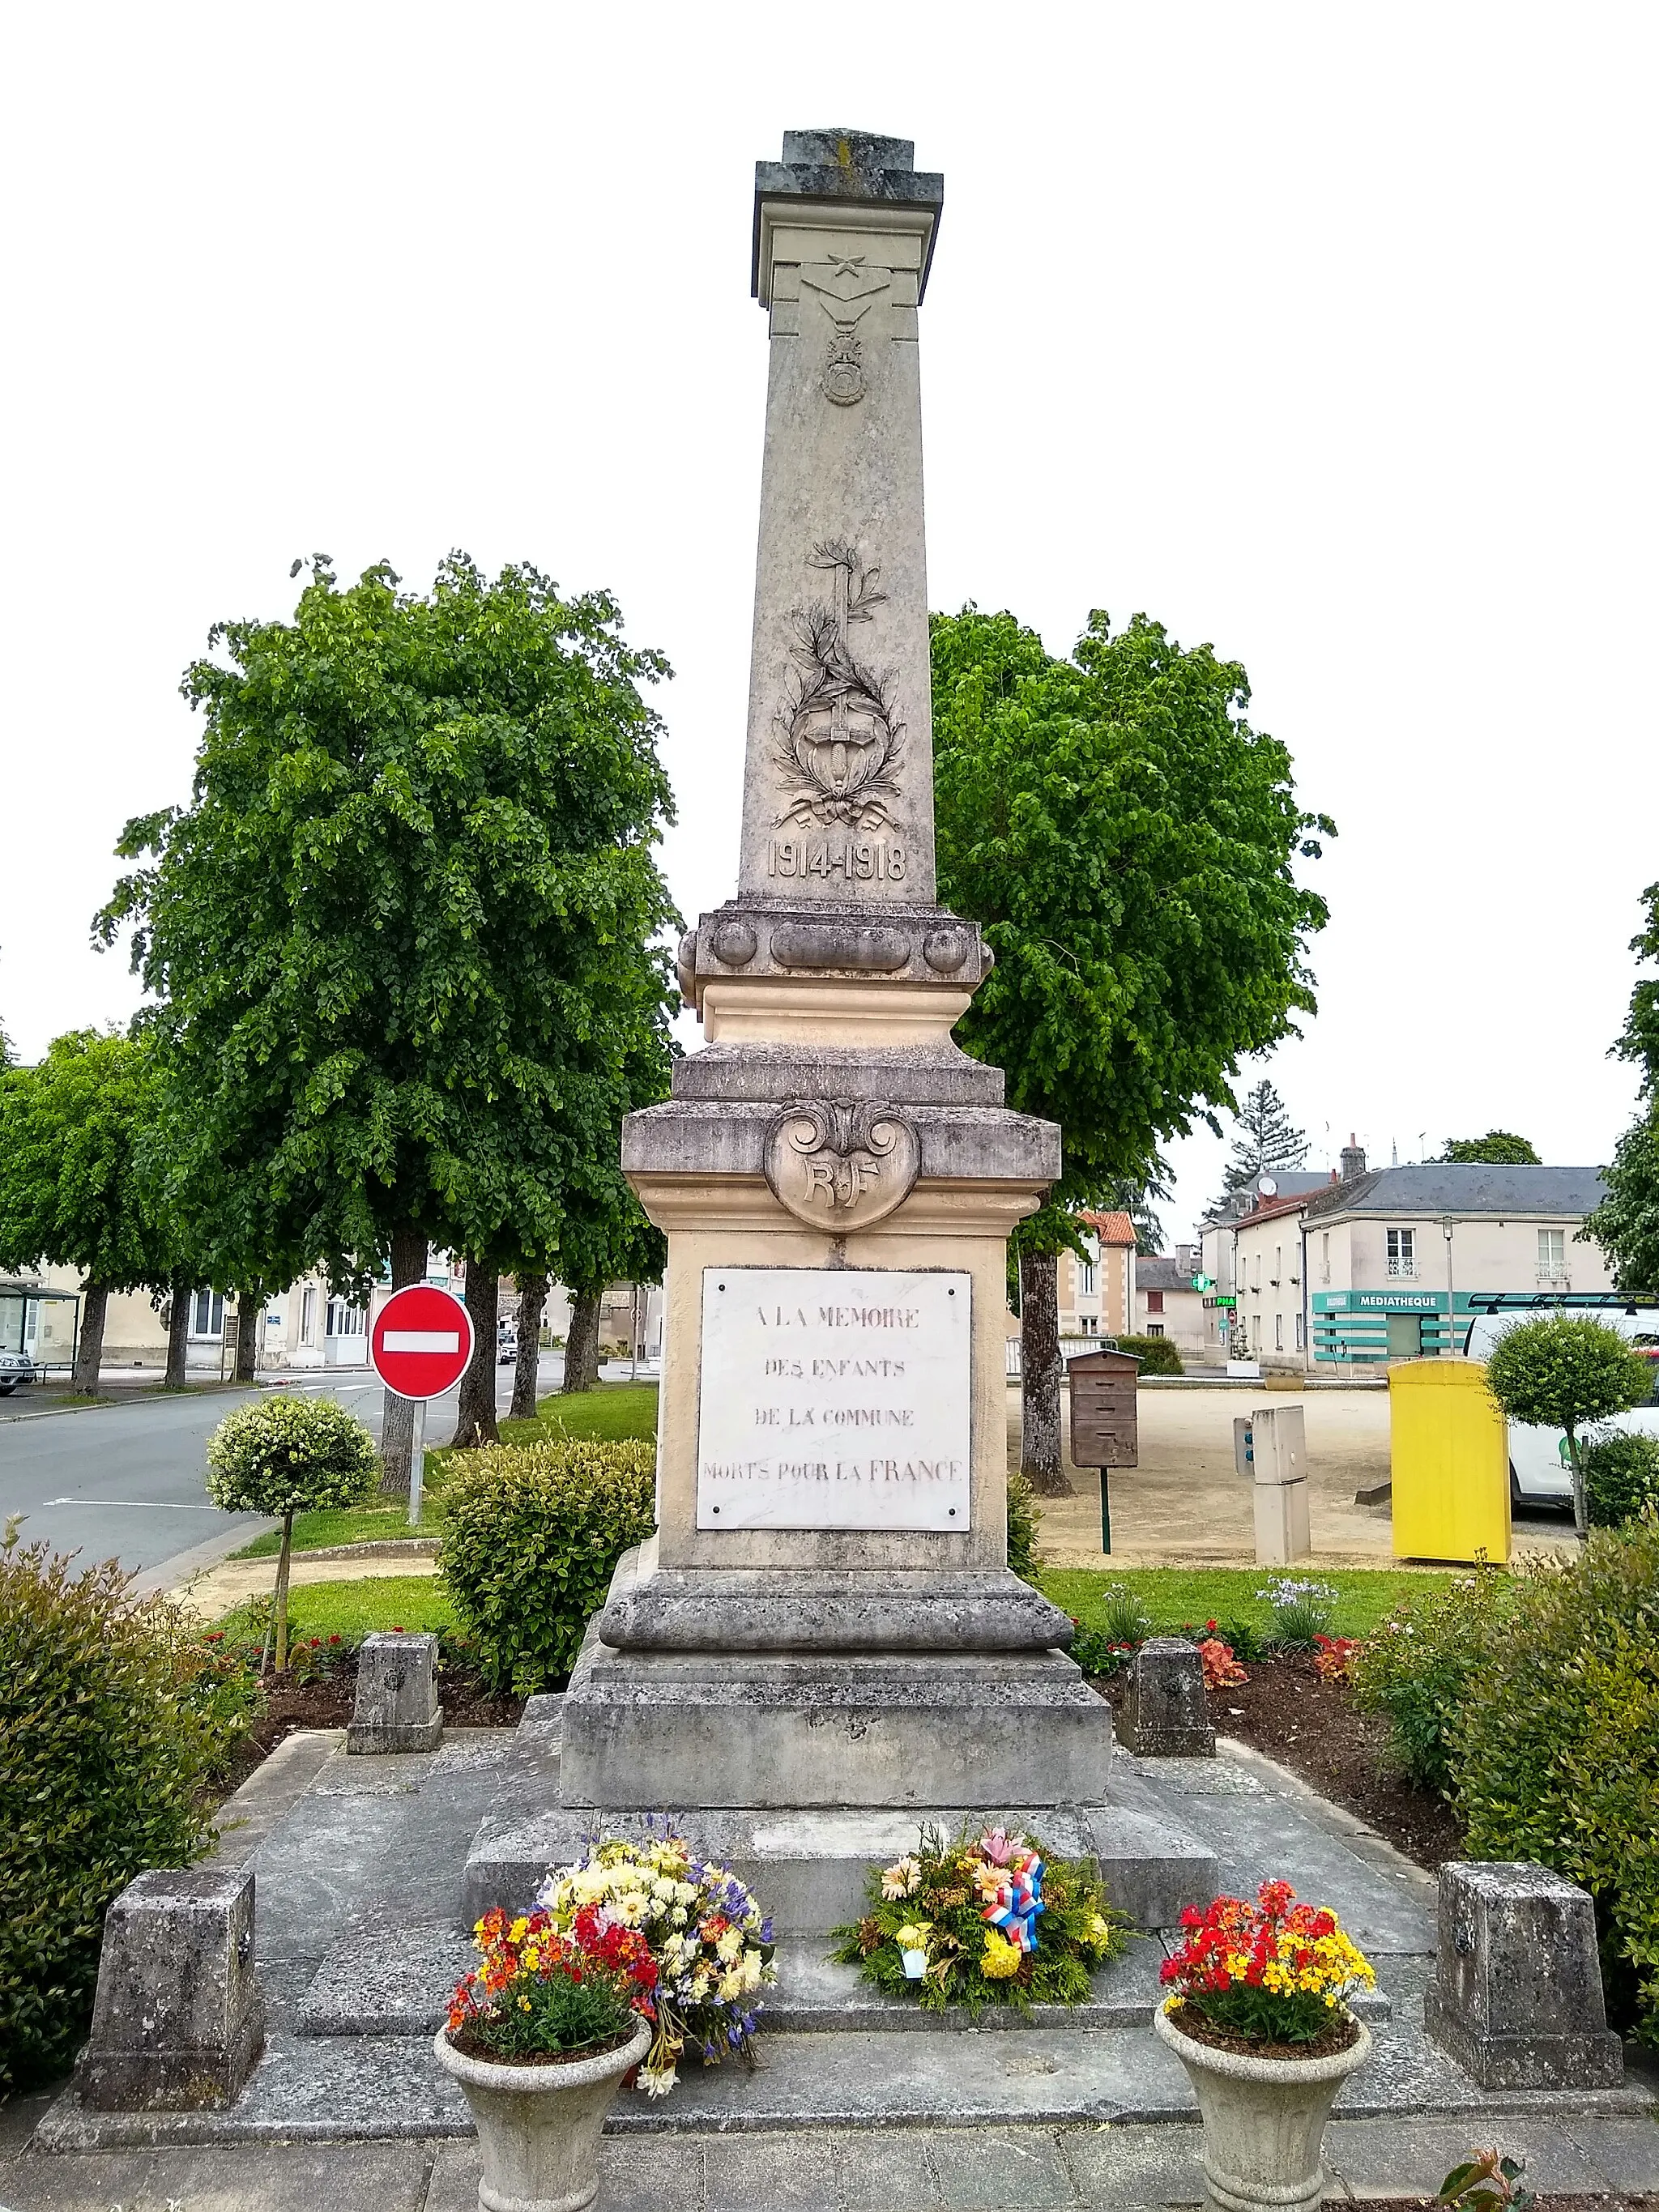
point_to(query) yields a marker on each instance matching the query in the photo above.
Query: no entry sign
(420, 1344)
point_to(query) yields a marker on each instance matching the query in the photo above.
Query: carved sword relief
(840, 745)
(841, 1164)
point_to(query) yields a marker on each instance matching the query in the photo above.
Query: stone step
(809, 1868)
(397, 1982)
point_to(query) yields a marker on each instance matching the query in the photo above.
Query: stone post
(1166, 1715)
(397, 1705)
(1516, 1999)
(178, 2021)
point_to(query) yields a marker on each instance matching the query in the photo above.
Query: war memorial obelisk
(825, 1625)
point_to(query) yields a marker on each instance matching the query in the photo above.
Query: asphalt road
(128, 1481)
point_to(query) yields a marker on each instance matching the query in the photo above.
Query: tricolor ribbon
(1017, 1900)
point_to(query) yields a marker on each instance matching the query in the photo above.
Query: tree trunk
(532, 1297)
(178, 1334)
(1041, 1372)
(581, 1347)
(1580, 1502)
(279, 1603)
(397, 1415)
(476, 1422)
(89, 1345)
(250, 1305)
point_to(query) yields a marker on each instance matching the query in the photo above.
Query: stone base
(1538, 2061)
(396, 1736)
(808, 1868)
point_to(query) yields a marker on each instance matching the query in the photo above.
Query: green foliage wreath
(933, 1903)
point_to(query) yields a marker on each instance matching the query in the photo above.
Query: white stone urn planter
(539, 2126)
(1264, 2119)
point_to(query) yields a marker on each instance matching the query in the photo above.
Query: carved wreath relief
(839, 743)
(846, 290)
(841, 1163)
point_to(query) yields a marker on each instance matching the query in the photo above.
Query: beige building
(1395, 1263)
(1098, 1295)
(1166, 1304)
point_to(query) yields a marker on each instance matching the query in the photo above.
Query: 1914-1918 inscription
(834, 1398)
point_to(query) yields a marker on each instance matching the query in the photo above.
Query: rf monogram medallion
(839, 1164)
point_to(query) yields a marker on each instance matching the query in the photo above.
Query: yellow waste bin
(1449, 1455)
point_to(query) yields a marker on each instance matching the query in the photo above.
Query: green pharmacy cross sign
(1203, 1282)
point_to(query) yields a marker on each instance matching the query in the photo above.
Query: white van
(1540, 1474)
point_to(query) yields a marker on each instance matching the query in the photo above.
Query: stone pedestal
(1516, 2000)
(1165, 1714)
(177, 2021)
(397, 1705)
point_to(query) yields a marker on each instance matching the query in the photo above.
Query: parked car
(1539, 1471)
(16, 1367)
(507, 1344)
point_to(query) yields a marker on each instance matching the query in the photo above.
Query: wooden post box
(1101, 1386)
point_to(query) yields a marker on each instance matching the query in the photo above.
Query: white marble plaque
(834, 1398)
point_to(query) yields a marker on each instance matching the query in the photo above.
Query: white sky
(1323, 334)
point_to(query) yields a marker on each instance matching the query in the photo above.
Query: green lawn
(364, 1525)
(352, 1609)
(611, 1412)
(1179, 1597)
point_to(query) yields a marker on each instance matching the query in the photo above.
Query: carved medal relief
(840, 1164)
(846, 289)
(840, 740)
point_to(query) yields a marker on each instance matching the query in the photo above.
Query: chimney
(1353, 1159)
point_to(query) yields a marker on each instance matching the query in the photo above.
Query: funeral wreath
(986, 1919)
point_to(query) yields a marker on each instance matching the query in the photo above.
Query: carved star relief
(848, 280)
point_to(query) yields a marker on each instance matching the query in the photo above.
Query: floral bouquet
(709, 1944)
(1271, 1972)
(992, 1919)
(537, 1993)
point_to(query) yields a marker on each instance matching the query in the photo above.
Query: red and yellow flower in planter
(1273, 1974)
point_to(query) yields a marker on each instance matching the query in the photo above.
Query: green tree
(1499, 1148)
(405, 933)
(1129, 844)
(1265, 1141)
(1625, 1224)
(79, 1176)
(1561, 1371)
(288, 1455)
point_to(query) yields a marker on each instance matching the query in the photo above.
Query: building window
(1552, 1255)
(1278, 1332)
(308, 1315)
(1298, 1332)
(345, 1319)
(1154, 1328)
(1258, 1271)
(1325, 1256)
(207, 1314)
(1154, 1302)
(1279, 1263)
(1402, 1251)
(1085, 1277)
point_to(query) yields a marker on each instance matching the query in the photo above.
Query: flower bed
(993, 1919)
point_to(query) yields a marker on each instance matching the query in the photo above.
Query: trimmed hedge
(1621, 1476)
(531, 1535)
(1555, 1751)
(1418, 1667)
(112, 1716)
(1157, 1354)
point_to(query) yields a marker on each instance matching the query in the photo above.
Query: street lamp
(1446, 1227)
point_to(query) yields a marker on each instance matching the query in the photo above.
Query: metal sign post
(417, 1463)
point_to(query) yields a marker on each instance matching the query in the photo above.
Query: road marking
(421, 1340)
(139, 1504)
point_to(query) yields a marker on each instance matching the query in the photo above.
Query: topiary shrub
(1621, 1476)
(112, 1715)
(531, 1535)
(1556, 1747)
(1416, 1670)
(1157, 1354)
(1024, 1516)
(290, 1455)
